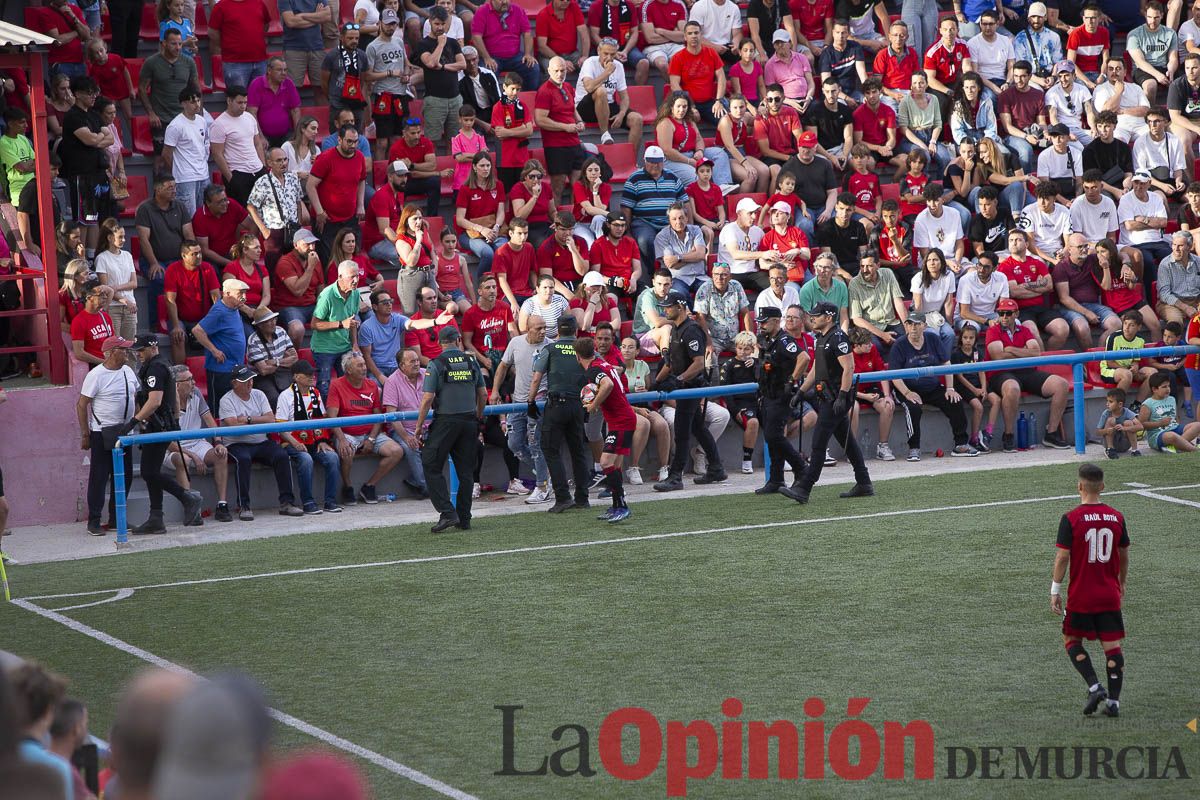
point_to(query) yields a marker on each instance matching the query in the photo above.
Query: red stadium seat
(1092, 370)
(135, 70)
(391, 288)
(346, 12)
(526, 99)
(436, 225)
(1061, 370)
(149, 30)
(530, 7)
(200, 23)
(321, 114)
(731, 201)
(218, 76)
(890, 191)
(307, 354)
(622, 158)
(204, 85)
(538, 155)
(641, 100)
(162, 314)
(143, 141)
(139, 192)
(195, 365)
(626, 328)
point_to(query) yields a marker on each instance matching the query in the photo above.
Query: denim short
(301, 314)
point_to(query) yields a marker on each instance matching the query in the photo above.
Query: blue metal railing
(1075, 360)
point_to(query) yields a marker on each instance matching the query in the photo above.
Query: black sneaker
(859, 490)
(560, 506)
(770, 487)
(1095, 698)
(1112, 453)
(367, 494)
(333, 508)
(597, 479)
(94, 529)
(444, 523)
(1008, 444)
(193, 505)
(348, 497)
(711, 477)
(673, 483)
(312, 508)
(223, 514)
(1056, 440)
(581, 504)
(1111, 709)
(797, 493)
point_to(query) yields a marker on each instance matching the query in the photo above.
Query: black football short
(1107, 626)
(618, 442)
(1030, 380)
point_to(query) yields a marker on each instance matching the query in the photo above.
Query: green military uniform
(563, 419)
(455, 378)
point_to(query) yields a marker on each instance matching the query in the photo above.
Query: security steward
(829, 386)
(683, 368)
(454, 386)
(781, 364)
(158, 411)
(564, 416)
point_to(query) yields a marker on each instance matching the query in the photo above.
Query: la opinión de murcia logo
(853, 749)
(720, 748)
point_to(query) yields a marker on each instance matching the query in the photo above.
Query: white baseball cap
(1036, 10)
(747, 204)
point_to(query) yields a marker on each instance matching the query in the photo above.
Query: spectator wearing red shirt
(699, 71)
(65, 23)
(383, 215)
(237, 32)
(1032, 286)
(562, 31)
(512, 122)
(812, 24)
(191, 287)
(946, 60)
(516, 265)
(333, 174)
(111, 74)
(219, 223)
(426, 341)
(530, 201)
(417, 152)
(1008, 340)
(488, 325)
(273, 100)
(662, 31)
(621, 20)
(616, 256)
(565, 254)
(356, 394)
(789, 241)
(479, 213)
(590, 199)
(555, 114)
(299, 279)
(92, 325)
(1088, 46)
(778, 130)
(896, 64)
(875, 124)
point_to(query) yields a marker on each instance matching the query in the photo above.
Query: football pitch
(931, 600)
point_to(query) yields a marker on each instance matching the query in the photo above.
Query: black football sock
(1115, 663)
(1083, 664)
(613, 480)
(747, 453)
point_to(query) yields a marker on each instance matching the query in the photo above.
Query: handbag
(289, 228)
(120, 189)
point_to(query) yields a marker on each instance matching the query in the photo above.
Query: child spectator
(452, 276)
(785, 192)
(1160, 418)
(912, 186)
(895, 244)
(743, 368)
(863, 183)
(875, 394)
(1172, 365)
(466, 143)
(746, 76)
(1118, 426)
(973, 386)
(708, 202)
(512, 123)
(1122, 372)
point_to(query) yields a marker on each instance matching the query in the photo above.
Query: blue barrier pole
(1080, 413)
(453, 483)
(121, 521)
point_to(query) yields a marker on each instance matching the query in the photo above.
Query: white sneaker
(634, 476)
(663, 473)
(516, 487)
(475, 492)
(540, 494)
(914, 454)
(699, 461)
(830, 461)
(729, 188)
(787, 467)
(606, 138)
(747, 467)
(883, 452)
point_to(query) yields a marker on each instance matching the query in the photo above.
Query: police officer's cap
(676, 299)
(448, 334)
(824, 310)
(143, 341)
(768, 312)
(567, 326)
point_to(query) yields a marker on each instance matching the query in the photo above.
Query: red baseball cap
(808, 139)
(1007, 304)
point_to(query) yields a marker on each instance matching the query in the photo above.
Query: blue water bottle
(1022, 432)
(1034, 436)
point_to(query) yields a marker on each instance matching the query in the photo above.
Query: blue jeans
(154, 288)
(945, 332)
(938, 161)
(327, 364)
(524, 439)
(687, 173)
(530, 75)
(643, 233)
(808, 222)
(1024, 151)
(686, 288)
(416, 470)
(963, 213)
(385, 251)
(241, 74)
(1100, 310)
(190, 194)
(304, 472)
(921, 17)
(483, 251)
(1014, 197)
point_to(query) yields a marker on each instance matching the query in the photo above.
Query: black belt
(563, 398)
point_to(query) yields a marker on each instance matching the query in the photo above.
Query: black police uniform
(563, 419)
(778, 361)
(827, 371)
(155, 376)
(455, 378)
(688, 341)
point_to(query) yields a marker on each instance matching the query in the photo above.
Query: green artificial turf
(938, 615)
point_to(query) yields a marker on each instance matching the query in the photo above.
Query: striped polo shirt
(650, 198)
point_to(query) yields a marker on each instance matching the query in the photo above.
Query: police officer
(158, 410)
(830, 381)
(683, 368)
(564, 417)
(781, 363)
(454, 385)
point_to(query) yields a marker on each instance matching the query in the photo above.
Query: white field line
(595, 543)
(121, 595)
(1169, 499)
(287, 719)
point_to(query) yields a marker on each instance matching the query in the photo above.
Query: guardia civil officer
(157, 411)
(781, 364)
(455, 387)
(564, 416)
(683, 368)
(829, 383)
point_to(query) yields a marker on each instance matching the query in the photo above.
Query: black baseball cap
(243, 374)
(823, 309)
(448, 334)
(768, 312)
(675, 299)
(143, 341)
(302, 367)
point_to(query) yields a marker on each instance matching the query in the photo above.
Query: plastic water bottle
(390, 497)
(1022, 432)
(1034, 435)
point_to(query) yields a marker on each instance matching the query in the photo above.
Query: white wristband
(1055, 587)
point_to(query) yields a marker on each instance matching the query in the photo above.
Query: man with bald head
(555, 114)
(139, 729)
(1079, 293)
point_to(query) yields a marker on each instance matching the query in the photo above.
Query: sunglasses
(774, 99)
(413, 121)
(351, 26)
(1005, 313)
(534, 177)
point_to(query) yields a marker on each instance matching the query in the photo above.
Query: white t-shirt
(768, 299)
(1053, 164)
(1131, 207)
(1127, 126)
(591, 69)
(1189, 31)
(981, 298)
(189, 137)
(295, 164)
(933, 296)
(119, 269)
(234, 406)
(1070, 109)
(113, 392)
(1048, 230)
(372, 12)
(1148, 154)
(237, 134)
(991, 58)
(943, 232)
(1095, 222)
(734, 238)
(717, 21)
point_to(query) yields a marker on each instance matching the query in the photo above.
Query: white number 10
(1100, 542)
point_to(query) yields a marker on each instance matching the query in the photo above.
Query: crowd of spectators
(937, 163)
